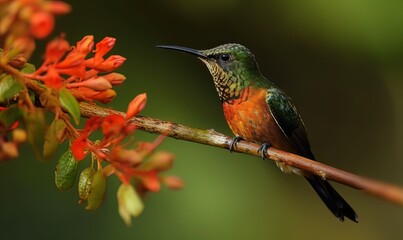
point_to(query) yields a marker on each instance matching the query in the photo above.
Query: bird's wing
(289, 121)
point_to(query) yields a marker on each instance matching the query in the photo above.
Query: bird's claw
(263, 149)
(234, 142)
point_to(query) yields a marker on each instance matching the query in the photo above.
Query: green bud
(130, 203)
(84, 184)
(97, 191)
(65, 172)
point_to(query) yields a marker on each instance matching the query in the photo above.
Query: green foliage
(53, 135)
(28, 68)
(10, 115)
(35, 126)
(70, 104)
(9, 87)
(66, 170)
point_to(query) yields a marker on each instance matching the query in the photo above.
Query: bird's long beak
(184, 49)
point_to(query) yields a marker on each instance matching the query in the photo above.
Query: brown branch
(210, 137)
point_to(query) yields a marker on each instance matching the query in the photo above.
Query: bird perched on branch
(258, 111)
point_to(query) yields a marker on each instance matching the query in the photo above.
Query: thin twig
(210, 137)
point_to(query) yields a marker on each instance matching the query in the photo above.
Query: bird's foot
(234, 142)
(263, 149)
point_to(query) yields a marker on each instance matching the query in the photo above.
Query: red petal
(78, 147)
(151, 182)
(112, 125)
(56, 49)
(52, 79)
(92, 124)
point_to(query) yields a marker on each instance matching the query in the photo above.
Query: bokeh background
(340, 61)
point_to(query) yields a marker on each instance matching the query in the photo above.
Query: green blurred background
(340, 61)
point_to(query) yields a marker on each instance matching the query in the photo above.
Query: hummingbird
(257, 110)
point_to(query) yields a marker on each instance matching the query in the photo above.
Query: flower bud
(22, 45)
(127, 157)
(103, 47)
(57, 7)
(151, 181)
(10, 149)
(130, 203)
(18, 61)
(85, 45)
(97, 84)
(159, 161)
(108, 65)
(84, 184)
(115, 79)
(136, 105)
(19, 136)
(105, 96)
(42, 24)
(88, 94)
(56, 49)
(173, 182)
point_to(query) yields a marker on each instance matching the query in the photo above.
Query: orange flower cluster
(139, 163)
(24, 20)
(70, 67)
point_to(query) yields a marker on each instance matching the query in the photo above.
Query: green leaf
(10, 115)
(9, 87)
(70, 104)
(52, 138)
(97, 192)
(28, 68)
(84, 184)
(35, 125)
(65, 172)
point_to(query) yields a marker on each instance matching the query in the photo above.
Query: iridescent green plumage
(257, 110)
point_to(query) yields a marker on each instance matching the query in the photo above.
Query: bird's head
(231, 58)
(231, 65)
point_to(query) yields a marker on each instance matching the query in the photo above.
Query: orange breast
(251, 119)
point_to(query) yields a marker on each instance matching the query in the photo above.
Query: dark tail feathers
(339, 207)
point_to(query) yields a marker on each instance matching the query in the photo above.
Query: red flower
(78, 54)
(79, 147)
(92, 124)
(78, 73)
(42, 24)
(112, 125)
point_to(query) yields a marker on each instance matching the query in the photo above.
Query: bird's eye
(224, 57)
